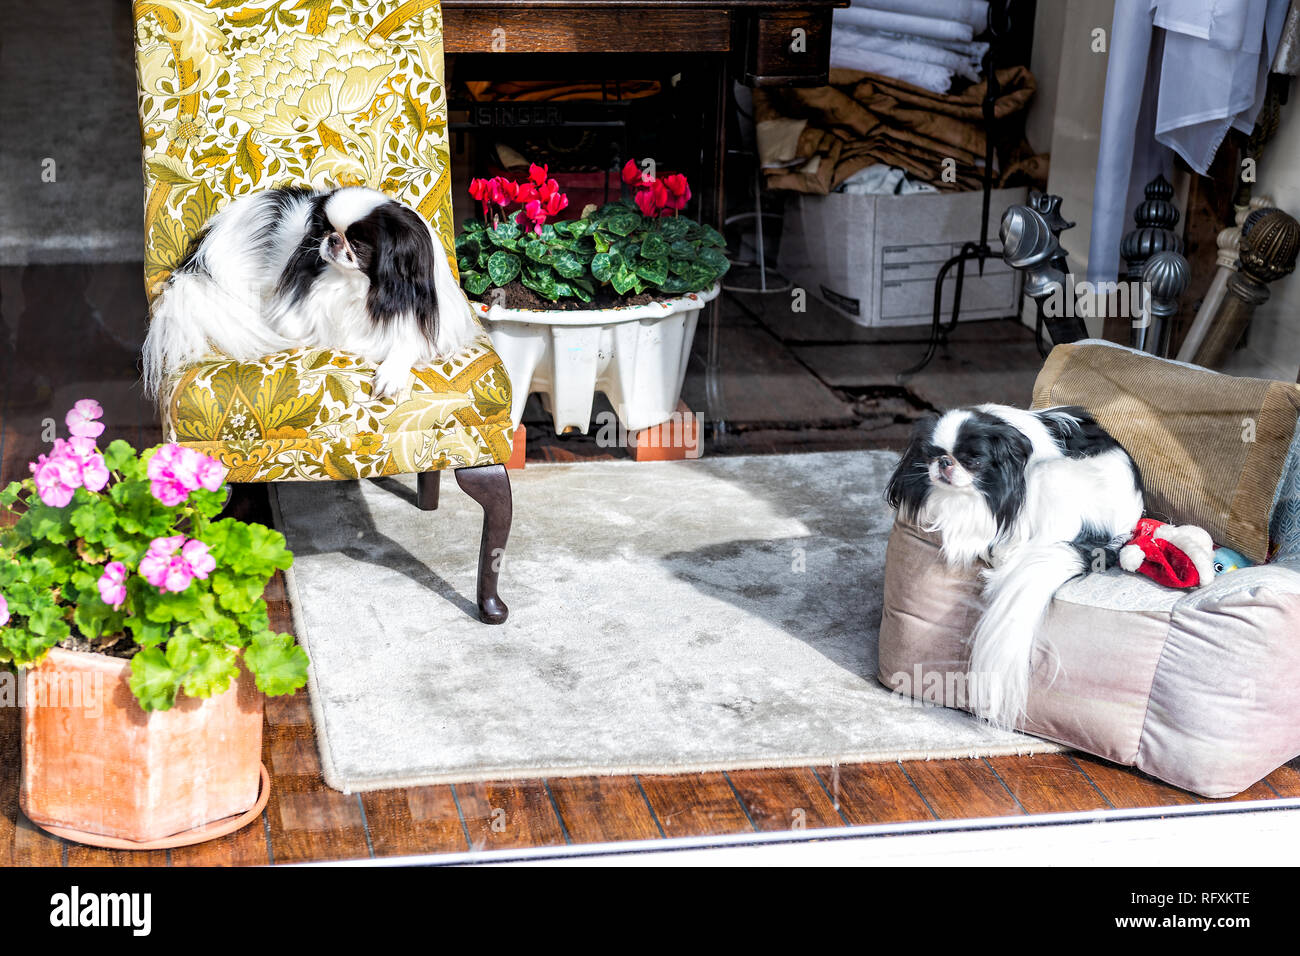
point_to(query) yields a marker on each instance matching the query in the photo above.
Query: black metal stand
(979, 251)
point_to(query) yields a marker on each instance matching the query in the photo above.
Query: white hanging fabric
(1180, 74)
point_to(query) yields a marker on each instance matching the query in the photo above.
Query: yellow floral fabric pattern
(238, 96)
(309, 415)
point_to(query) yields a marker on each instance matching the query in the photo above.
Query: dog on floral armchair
(239, 98)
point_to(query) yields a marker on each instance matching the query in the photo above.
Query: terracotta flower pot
(94, 762)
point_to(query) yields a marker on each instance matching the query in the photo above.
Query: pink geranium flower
(167, 570)
(81, 419)
(4, 611)
(174, 471)
(94, 473)
(74, 463)
(196, 557)
(112, 584)
(57, 475)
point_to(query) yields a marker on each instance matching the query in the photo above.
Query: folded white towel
(974, 12)
(928, 76)
(907, 48)
(905, 23)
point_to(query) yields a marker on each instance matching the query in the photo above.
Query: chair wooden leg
(489, 485)
(426, 490)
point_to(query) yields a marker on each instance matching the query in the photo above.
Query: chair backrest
(239, 97)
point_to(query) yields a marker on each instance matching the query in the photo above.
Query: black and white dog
(1035, 495)
(348, 269)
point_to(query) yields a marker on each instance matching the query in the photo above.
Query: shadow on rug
(665, 617)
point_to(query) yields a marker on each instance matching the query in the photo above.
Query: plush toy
(1225, 560)
(1177, 556)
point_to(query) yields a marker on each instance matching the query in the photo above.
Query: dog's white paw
(391, 381)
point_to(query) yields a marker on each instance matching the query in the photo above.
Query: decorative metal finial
(1155, 219)
(1030, 244)
(1165, 276)
(1267, 252)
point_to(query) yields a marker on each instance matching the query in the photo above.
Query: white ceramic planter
(637, 356)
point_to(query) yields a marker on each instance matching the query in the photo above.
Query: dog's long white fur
(1031, 559)
(229, 307)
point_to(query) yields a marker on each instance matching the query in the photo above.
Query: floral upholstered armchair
(237, 97)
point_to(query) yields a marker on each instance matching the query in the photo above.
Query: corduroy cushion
(1212, 448)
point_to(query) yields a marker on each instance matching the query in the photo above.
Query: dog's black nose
(946, 462)
(335, 240)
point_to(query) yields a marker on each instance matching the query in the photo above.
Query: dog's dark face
(965, 452)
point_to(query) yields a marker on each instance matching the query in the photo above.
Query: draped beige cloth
(863, 118)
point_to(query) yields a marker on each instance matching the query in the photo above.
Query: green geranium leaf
(154, 681)
(118, 455)
(213, 667)
(23, 647)
(279, 665)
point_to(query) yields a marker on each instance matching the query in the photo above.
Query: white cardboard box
(874, 259)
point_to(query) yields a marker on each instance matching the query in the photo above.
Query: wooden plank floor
(305, 820)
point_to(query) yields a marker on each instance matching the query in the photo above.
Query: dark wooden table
(758, 42)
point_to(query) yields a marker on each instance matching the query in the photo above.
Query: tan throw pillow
(1211, 447)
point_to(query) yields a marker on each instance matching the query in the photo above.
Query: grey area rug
(664, 617)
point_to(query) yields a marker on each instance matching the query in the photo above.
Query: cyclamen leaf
(675, 228)
(475, 283)
(624, 224)
(714, 260)
(624, 280)
(542, 282)
(655, 272)
(602, 267)
(653, 247)
(503, 267)
(712, 237)
(568, 266)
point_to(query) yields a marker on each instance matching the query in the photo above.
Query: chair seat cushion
(309, 414)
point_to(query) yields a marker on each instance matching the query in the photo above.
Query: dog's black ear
(401, 270)
(1003, 481)
(910, 481)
